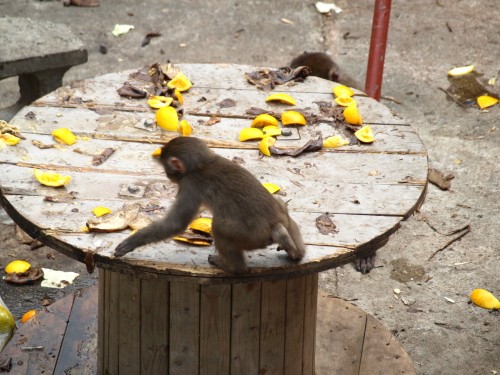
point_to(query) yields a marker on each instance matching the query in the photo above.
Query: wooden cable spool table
(163, 308)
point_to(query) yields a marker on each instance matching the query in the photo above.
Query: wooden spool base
(188, 328)
(348, 341)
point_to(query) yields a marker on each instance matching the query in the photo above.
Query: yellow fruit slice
(292, 118)
(17, 266)
(101, 211)
(352, 116)
(283, 98)
(250, 134)
(28, 315)
(64, 136)
(156, 153)
(461, 70)
(158, 102)
(179, 96)
(484, 299)
(184, 128)
(272, 188)
(180, 82)
(167, 118)
(264, 120)
(365, 134)
(272, 131)
(485, 101)
(265, 144)
(191, 241)
(335, 141)
(342, 90)
(344, 101)
(202, 224)
(51, 178)
(9, 139)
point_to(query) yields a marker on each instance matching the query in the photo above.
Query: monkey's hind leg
(290, 242)
(232, 261)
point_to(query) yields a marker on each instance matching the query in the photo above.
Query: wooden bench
(39, 52)
(63, 340)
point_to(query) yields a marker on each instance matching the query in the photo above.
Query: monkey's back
(243, 210)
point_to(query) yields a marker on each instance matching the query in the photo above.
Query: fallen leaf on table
(325, 225)
(310, 146)
(267, 79)
(102, 156)
(226, 103)
(130, 91)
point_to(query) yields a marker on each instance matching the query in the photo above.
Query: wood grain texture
(357, 183)
(155, 304)
(245, 328)
(184, 351)
(272, 330)
(215, 329)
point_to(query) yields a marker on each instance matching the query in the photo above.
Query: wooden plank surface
(294, 326)
(272, 331)
(215, 329)
(245, 322)
(381, 347)
(155, 303)
(36, 345)
(81, 333)
(346, 337)
(355, 184)
(184, 329)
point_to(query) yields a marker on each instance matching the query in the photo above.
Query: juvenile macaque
(323, 66)
(245, 215)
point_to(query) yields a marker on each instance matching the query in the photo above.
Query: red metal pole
(380, 29)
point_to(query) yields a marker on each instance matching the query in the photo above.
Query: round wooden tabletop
(365, 189)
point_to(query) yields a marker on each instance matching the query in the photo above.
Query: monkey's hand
(126, 246)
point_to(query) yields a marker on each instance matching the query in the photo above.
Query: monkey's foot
(365, 264)
(217, 261)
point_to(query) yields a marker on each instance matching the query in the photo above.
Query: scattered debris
(81, 3)
(148, 37)
(438, 178)
(57, 279)
(311, 146)
(325, 225)
(102, 156)
(465, 230)
(326, 8)
(449, 300)
(130, 91)
(267, 79)
(226, 103)
(121, 29)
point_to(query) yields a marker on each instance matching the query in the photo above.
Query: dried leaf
(29, 277)
(325, 225)
(438, 178)
(212, 121)
(227, 103)
(310, 146)
(130, 91)
(101, 157)
(267, 79)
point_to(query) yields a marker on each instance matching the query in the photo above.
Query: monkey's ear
(176, 164)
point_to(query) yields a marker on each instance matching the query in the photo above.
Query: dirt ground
(431, 316)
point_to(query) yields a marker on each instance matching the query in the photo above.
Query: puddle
(403, 271)
(465, 89)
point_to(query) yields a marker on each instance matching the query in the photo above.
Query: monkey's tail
(281, 236)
